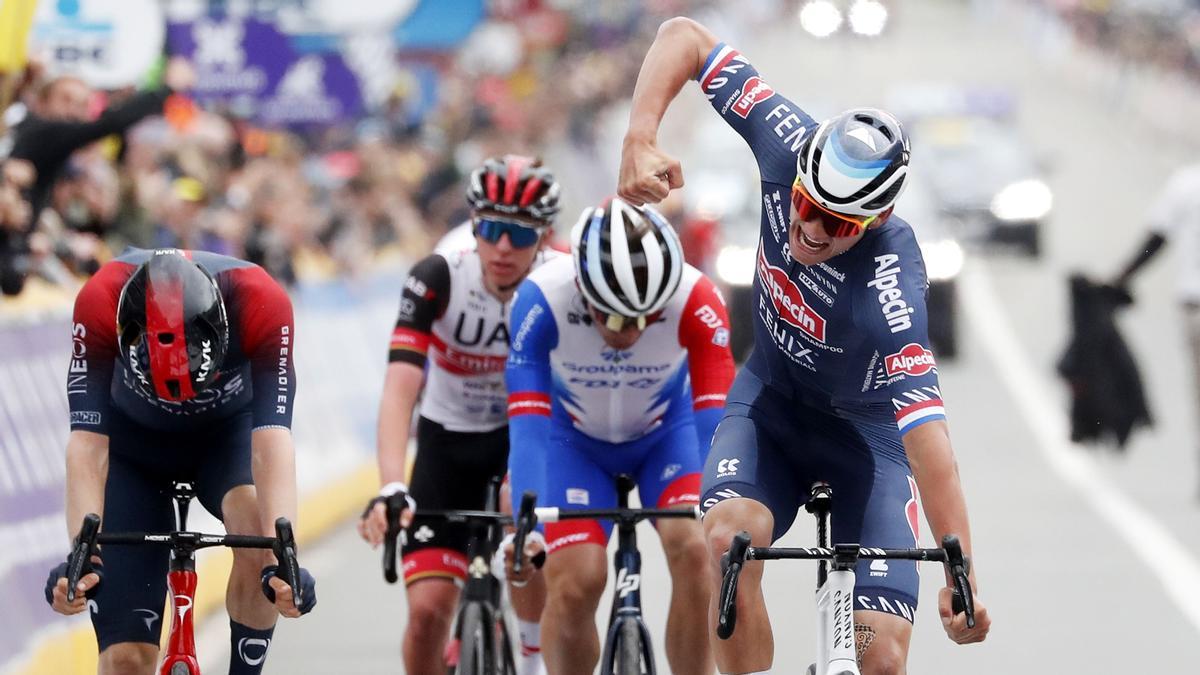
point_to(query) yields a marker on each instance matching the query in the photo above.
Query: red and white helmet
(515, 185)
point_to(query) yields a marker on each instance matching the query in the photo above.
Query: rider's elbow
(690, 32)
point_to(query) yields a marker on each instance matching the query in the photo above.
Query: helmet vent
(166, 338)
(883, 200)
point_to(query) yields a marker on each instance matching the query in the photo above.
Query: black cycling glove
(308, 587)
(59, 571)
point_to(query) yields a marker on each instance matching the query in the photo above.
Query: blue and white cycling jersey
(850, 334)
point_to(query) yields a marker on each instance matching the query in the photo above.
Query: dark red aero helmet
(172, 329)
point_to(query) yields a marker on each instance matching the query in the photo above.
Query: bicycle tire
(629, 649)
(181, 668)
(476, 652)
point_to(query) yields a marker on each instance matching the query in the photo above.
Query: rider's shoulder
(895, 237)
(555, 272)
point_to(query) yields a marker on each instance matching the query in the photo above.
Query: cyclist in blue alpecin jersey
(841, 386)
(619, 363)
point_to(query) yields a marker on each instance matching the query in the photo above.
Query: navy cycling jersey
(849, 334)
(257, 374)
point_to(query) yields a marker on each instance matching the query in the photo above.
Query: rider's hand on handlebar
(278, 592)
(647, 173)
(56, 587)
(535, 554)
(373, 525)
(956, 624)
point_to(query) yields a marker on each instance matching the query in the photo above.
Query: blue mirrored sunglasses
(521, 235)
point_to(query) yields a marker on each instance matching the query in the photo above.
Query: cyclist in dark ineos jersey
(841, 386)
(181, 369)
(449, 348)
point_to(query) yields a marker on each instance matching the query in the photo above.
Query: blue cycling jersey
(849, 335)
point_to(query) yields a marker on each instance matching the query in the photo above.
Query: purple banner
(257, 70)
(33, 433)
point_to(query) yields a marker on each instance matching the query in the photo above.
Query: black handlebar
(87, 543)
(950, 555)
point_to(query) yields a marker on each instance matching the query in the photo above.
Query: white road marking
(1158, 549)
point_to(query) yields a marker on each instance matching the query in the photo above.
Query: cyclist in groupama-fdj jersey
(181, 369)
(620, 363)
(449, 347)
(841, 386)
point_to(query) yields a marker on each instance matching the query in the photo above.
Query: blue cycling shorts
(771, 447)
(576, 471)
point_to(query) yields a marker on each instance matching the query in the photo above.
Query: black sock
(248, 648)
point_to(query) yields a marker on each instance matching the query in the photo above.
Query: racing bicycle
(180, 657)
(481, 631)
(835, 584)
(627, 648)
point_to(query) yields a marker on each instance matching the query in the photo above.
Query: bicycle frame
(180, 656)
(836, 650)
(627, 594)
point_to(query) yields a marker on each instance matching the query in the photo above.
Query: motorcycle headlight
(735, 265)
(943, 259)
(1023, 201)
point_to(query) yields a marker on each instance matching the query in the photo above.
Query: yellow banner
(16, 18)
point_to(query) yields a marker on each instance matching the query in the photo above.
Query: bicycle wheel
(629, 649)
(476, 654)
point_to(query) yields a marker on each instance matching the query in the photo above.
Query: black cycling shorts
(451, 471)
(142, 465)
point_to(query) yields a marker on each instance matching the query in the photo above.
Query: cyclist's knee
(727, 519)
(129, 658)
(431, 604)
(881, 651)
(575, 577)
(684, 545)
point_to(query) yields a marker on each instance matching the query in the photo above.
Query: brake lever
(731, 564)
(81, 552)
(394, 506)
(285, 552)
(526, 521)
(962, 600)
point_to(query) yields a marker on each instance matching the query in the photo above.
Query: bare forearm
(273, 465)
(400, 391)
(934, 468)
(87, 474)
(676, 56)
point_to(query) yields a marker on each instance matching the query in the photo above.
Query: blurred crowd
(1163, 34)
(306, 202)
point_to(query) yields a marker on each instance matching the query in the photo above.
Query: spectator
(1175, 215)
(60, 125)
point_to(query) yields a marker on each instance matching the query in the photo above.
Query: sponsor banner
(256, 68)
(106, 43)
(342, 333)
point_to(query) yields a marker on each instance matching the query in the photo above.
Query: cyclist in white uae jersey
(841, 386)
(450, 345)
(619, 364)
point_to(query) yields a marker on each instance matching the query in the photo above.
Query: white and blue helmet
(628, 259)
(856, 162)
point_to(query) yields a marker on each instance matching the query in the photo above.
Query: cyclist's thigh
(128, 606)
(222, 461)
(874, 504)
(669, 474)
(747, 460)
(575, 479)
(451, 471)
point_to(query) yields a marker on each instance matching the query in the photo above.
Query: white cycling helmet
(855, 163)
(628, 259)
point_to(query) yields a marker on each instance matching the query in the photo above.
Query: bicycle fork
(835, 629)
(180, 658)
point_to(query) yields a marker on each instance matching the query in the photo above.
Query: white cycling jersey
(451, 325)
